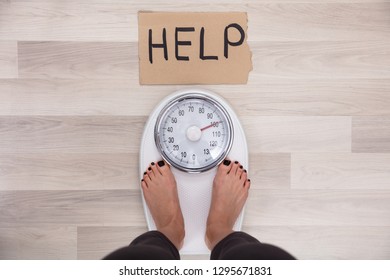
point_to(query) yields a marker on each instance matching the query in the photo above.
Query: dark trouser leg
(152, 245)
(242, 246)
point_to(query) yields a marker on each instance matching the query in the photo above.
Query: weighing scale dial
(193, 132)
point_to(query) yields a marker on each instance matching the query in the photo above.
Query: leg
(160, 192)
(230, 191)
(152, 245)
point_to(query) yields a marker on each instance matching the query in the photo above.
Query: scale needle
(206, 127)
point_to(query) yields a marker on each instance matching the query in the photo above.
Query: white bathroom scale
(193, 130)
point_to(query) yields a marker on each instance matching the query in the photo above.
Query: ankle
(174, 231)
(174, 235)
(215, 233)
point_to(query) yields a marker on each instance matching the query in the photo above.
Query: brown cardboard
(221, 38)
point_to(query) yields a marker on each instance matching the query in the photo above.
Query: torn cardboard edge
(193, 48)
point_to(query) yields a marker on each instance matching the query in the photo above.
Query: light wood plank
(269, 171)
(69, 171)
(43, 243)
(371, 134)
(318, 208)
(77, 60)
(88, 134)
(71, 208)
(66, 97)
(270, 59)
(328, 242)
(262, 97)
(8, 59)
(95, 243)
(320, 21)
(268, 21)
(330, 60)
(313, 97)
(340, 171)
(297, 134)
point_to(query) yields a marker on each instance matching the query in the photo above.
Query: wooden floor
(316, 111)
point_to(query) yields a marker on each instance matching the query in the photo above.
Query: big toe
(225, 167)
(163, 168)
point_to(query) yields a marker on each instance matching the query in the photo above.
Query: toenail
(161, 163)
(226, 162)
(241, 166)
(145, 173)
(245, 170)
(142, 180)
(149, 168)
(152, 163)
(249, 180)
(236, 162)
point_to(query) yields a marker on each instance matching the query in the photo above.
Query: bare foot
(160, 192)
(230, 191)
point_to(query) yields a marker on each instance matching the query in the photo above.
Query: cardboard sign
(193, 48)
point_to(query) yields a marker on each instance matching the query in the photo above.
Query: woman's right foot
(230, 191)
(160, 192)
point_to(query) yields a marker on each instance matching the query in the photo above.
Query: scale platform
(194, 189)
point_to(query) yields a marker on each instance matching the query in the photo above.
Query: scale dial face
(193, 132)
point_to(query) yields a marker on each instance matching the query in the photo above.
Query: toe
(235, 167)
(225, 167)
(247, 184)
(162, 167)
(240, 170)
(146, 175)
(155, 170)
(166, 171)
(147, 178)
(144, 185)
(150, 172)
(244, 176)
